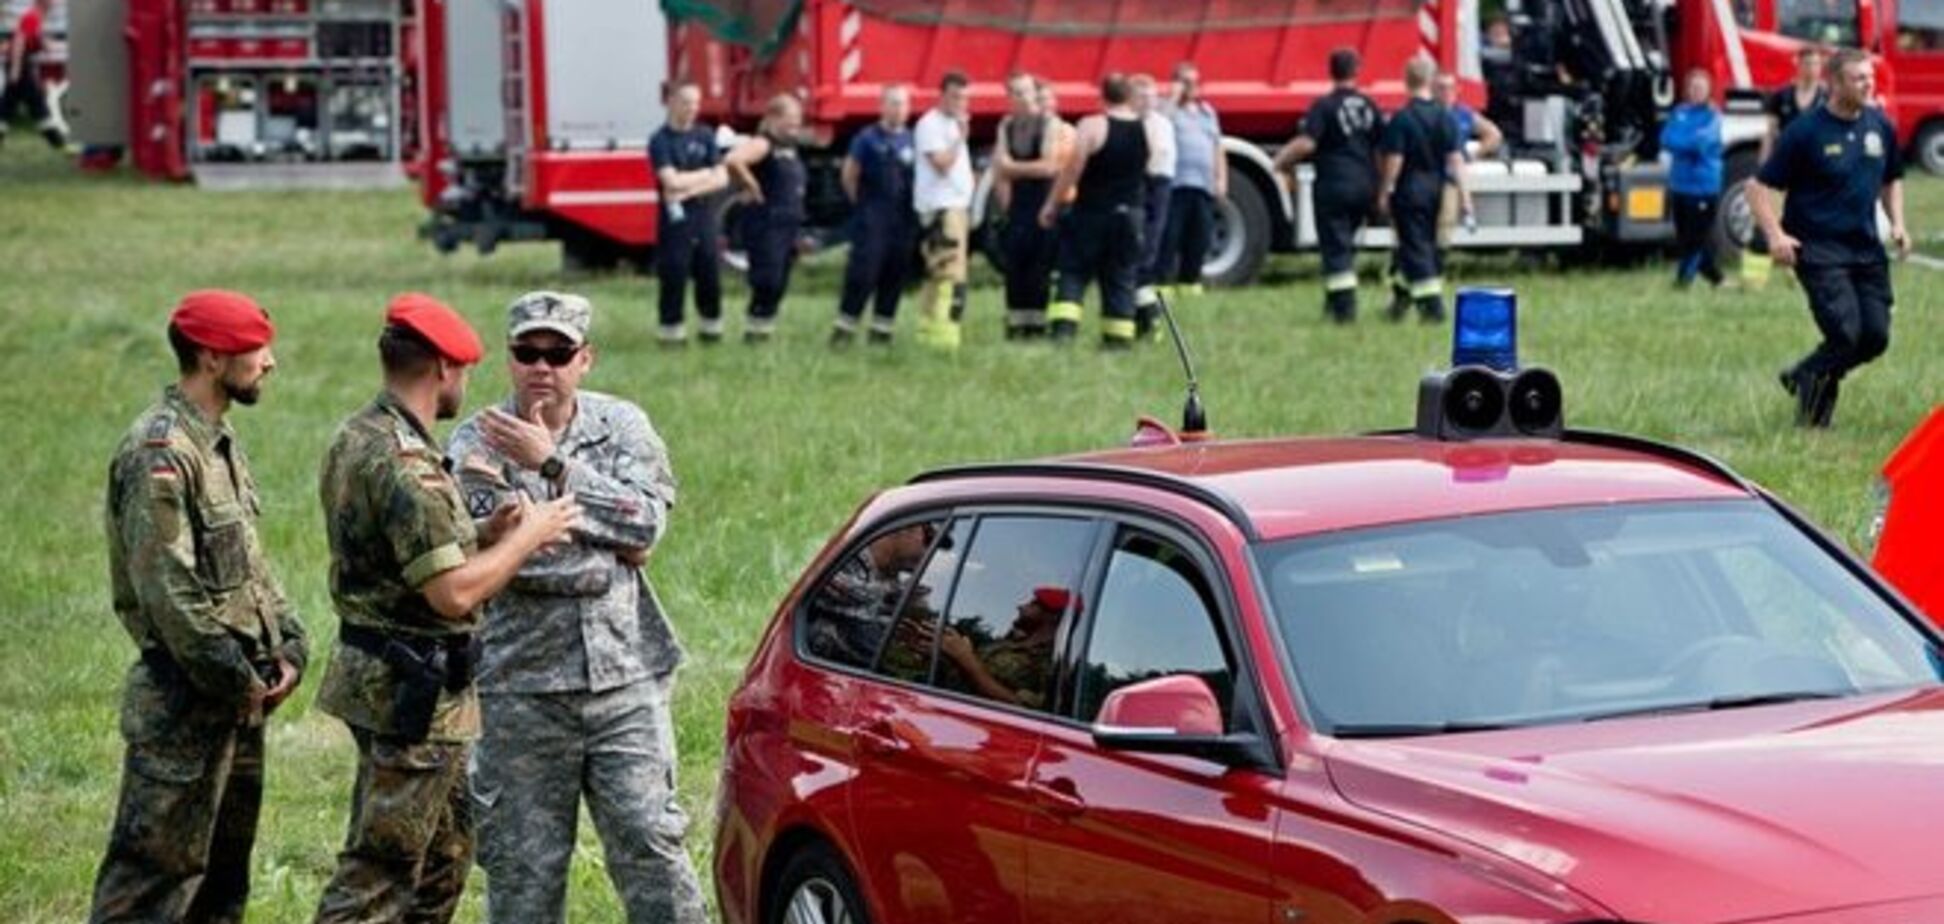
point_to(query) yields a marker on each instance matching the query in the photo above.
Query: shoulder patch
(159, 430)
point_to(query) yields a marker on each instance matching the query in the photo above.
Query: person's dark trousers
(1103, 246)
(878, 266)
(1031, 253)
(1416, 265)
(1184, 242)
(1147, 271)
(1694, 218)
(772, 255)
(1851, 306)
(1338, 219)
(28, 92)
(689, 251)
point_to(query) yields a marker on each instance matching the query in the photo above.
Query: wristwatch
(553, 467)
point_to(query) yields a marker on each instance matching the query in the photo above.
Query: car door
(1129, 837)
(939, 805)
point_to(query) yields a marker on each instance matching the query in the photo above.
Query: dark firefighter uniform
(1030, 249)
(689, 248)
(1834, 171)
(770, 231)
(1100, 237)
(1345, 125)
(882, 230)
(1422, 133)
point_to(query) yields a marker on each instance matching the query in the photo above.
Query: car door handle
(879, 739)
(1060, 797)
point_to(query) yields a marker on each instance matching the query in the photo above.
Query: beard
(242, 393)
(450, 402)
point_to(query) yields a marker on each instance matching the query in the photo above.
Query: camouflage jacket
(395, 521)
(577, 617)
(188, 571)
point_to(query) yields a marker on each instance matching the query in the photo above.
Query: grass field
(774, 447)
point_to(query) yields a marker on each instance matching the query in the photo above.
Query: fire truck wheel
(1734, 220)
(1928, 150)
(1240, 239)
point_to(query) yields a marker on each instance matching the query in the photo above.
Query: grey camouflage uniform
(575, 677)
(193, 590)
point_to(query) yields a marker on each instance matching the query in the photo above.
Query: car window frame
(1108, 517)
(1247, 697)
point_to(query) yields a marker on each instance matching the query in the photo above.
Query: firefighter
(1162, 160)
(1339, 135)
(877, 180)
(1025, 163)
(1837, 163)
(769, 170)
(941, 194)
(1420, 155)
(688, 169)
(1100, 236)
(20, 83)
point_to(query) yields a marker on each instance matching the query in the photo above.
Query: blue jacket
(1692, 136)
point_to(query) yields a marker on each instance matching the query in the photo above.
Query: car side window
(1019, 583)
(852, 608)
(907, 653)
(1157, 616)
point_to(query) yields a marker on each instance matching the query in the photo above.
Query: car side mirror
(1176, 714)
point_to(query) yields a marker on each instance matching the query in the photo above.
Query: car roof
(1282, 488)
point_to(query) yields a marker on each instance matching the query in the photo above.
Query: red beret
(1054, 599)
(438, 324)
(223, 321)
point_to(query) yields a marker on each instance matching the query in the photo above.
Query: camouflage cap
(567, 315)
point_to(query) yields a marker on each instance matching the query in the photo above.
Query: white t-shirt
(931, 190)
(1161, 144)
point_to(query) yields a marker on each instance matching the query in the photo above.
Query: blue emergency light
(1486, 331)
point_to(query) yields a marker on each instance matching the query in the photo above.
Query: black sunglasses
(554, 356)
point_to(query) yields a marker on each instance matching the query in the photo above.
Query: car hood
(1739, 815)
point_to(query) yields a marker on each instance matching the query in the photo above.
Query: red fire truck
(538, 111)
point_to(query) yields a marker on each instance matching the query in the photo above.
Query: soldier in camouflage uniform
(577, 658)
(220, 644)
(409, 570)
(1014, 669)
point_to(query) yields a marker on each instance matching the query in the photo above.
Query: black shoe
(756, 337)
(1400, 306)
(1431, 309)
(1115, 344)
(1789, 382)
(1823, 415)
(878, 338)
(1031, 331)
(55, 139)
(1064, 332)
(710, 338)
(842, 337)
(1340, 307)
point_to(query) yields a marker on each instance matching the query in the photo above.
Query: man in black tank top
(1025, 164)
(1421, 154)
(1100, 237)
(1339, 135)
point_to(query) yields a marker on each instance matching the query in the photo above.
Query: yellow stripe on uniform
(1145, 296)
(1425, 288)
(1063, 311)
(1117, 329)
(1339, 282)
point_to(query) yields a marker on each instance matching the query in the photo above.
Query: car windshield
(1578, 614)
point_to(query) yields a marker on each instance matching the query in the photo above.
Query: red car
(1391, 678)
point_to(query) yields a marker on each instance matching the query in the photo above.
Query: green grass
(774, 447)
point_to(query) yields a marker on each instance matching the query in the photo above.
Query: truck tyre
(1734, 220)
(1928, 150)
(1239, 242)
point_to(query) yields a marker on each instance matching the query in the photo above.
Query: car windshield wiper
(1415, 729)
(1719, 703)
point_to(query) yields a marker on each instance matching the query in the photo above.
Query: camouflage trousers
(192, 783)
(540, 754)
(410, 844)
